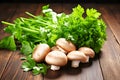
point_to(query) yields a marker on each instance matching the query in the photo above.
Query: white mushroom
(56, 59)
(87, 51)
(76, 57)
(40, 52)
(65, 45)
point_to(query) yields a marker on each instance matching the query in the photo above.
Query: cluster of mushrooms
(60, 54)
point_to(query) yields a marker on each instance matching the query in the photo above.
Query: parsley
(8, 43)
(37, 68)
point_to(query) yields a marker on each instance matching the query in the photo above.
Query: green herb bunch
(88, 30)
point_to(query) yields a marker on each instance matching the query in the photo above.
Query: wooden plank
(39, 9)
(67, 8)
(111, 21)
(110, 58)
(6, 12)
(12, 68)
(115, 10)
(22, 8)
(57, 7)
(4, 57)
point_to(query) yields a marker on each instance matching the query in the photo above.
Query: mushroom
(87, 51)
(65, 45)
(76, 57)
(54, 48)
(58, 48)
(40, 52)
(56, 59)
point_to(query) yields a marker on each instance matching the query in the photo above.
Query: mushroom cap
(77, 55)
(58, 48)
(57, 58)
(87, 51)
(40, 52)
(54, 48)
(66, 45)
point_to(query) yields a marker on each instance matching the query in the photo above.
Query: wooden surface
(105, 66)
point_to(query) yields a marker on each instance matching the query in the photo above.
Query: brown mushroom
(56, 59)
(76, 57)
(54, 48)
(87, 51)
(58, 48)
(65, 45)
(40, 52)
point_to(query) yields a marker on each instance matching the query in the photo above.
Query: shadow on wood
(53, 74)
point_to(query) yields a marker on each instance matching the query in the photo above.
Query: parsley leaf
(26, 48)
(37, 68)
(40, 68)
(8, 43)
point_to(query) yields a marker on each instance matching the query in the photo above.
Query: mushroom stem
(75, 63)
(53, 67)
(87, 59)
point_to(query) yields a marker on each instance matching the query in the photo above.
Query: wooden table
(105, 66)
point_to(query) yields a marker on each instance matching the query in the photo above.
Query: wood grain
(110, 59)
(7, 11)
(4, 58)
(112, 22)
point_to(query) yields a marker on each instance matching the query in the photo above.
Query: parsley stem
(30, 14)
(7, 23)
(30, 30)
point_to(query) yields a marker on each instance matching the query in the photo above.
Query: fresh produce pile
(81, 27)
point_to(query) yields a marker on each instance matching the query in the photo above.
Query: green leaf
(26, 48)
(8, 43)
(31, 61)
(37, 68)
(78, 11)
(9, 29)
(28, 64)
(45, 7)
(40, 68)
(92, 13)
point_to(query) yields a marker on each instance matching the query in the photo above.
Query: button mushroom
(40, 52)
(76, 57)
(87, 51)
(66, 45)
(54, 48)
(58, 48)
(56, 59)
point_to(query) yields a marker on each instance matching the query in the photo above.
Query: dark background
(63, 1)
